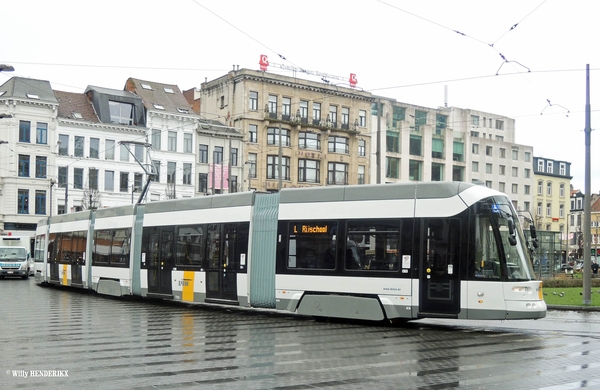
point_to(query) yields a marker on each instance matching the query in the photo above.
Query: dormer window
(169, 90)
(32, 96)
(146, 86)
(158, 106)
(121, 113)
(183, 110)
(2, 93)
(77, 115)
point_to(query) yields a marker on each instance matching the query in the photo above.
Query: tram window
(191, 245)
(312, 245)
(373, 245)
(120, 247)
(102, 242)
(66, 247)
(487, 258)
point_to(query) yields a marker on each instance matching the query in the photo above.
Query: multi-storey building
(449, 144)
(298, 132)
(28, 119)
(552, 196)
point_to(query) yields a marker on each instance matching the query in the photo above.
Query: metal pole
(67, 197)
(587, 264)
(378, 154)
(229, 169)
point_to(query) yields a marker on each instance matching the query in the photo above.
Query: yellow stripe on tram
(188, 286)
(64, 276)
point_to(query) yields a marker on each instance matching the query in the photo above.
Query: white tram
(369, 252)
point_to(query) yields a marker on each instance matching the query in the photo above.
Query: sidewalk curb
(573, 308)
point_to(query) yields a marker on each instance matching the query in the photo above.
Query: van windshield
(18, 254)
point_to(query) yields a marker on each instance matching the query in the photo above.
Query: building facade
(297, 132)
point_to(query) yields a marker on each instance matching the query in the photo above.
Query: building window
(172, 141)
(458, 173)
(563, 169)
(316, 113)
(40, 167)
(171, 169)
(138, 181)
(94, 148)
(156, 165)
(24, 165)
(475, 166)
(488, 183)
(337, 144)
(345, 118)
(272, 106)
(24, 131)
(273, 167)
(303, 111)
(203, 154)
(109, 149)
(488, 150)
(252, 134)
(415, 143)
(515, 188)
(488, 168)
(138, 152)
(124, 182)
(253, 102)
(203, 182)
(540, 165)
(475, 148)
(41, 133)
(540, 190)
(562, 190)
(286, 108)
(361, 174)
(187, 143)
(415, 170)
(502, 153)
(362, 118)
(309, 141)
(273, 136)
(526, 206)
(458, 151)
(474, 120)
(333, 115)
(561, 211)
(337, 173)
(252, 165)
(527, 156)
(527, 173)
(309, 171)
(156, 136)
(392, 169)
(501, 186)
(93, 179)
(63, 145)
(79, 143)
(109, 181)
(392, 141)
(23, 201)
(362, 148)
(233, 159)
(187, 173)
(234, 184)
(218, 155)
(398, 114)
(515, 154)
(420, 119)
(549, 167)
(78, 178)
(437, 148)
(502, 169)
(124, 153)
(441, 122)
(515, 172)
(63, 176)
(527, 189)
(121, 113)
(549, 188)
(40, 202)
(549, 209)
(539, 208)
(499, 125)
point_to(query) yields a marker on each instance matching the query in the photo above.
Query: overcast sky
(524, 59)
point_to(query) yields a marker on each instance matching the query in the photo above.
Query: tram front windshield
(501, 252)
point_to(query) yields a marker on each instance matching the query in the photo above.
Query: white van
(15, 257)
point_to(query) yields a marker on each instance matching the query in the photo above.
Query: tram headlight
(522, 289)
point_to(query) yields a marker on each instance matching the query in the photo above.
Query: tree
(92, 199)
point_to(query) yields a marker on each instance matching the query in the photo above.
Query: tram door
(439, 291)
(221, 274)
(161, 260)
(52, 257)
(77, 262)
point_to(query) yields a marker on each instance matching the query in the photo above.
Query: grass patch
(571, 296)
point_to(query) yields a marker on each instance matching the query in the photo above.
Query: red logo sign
(264, 62)
(353, 80)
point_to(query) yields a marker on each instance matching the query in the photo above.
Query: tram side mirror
(533, 234)
(512, 240)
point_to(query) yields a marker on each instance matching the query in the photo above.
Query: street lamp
(2, 116)
(6, 68)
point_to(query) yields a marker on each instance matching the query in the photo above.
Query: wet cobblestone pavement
(64, 339)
